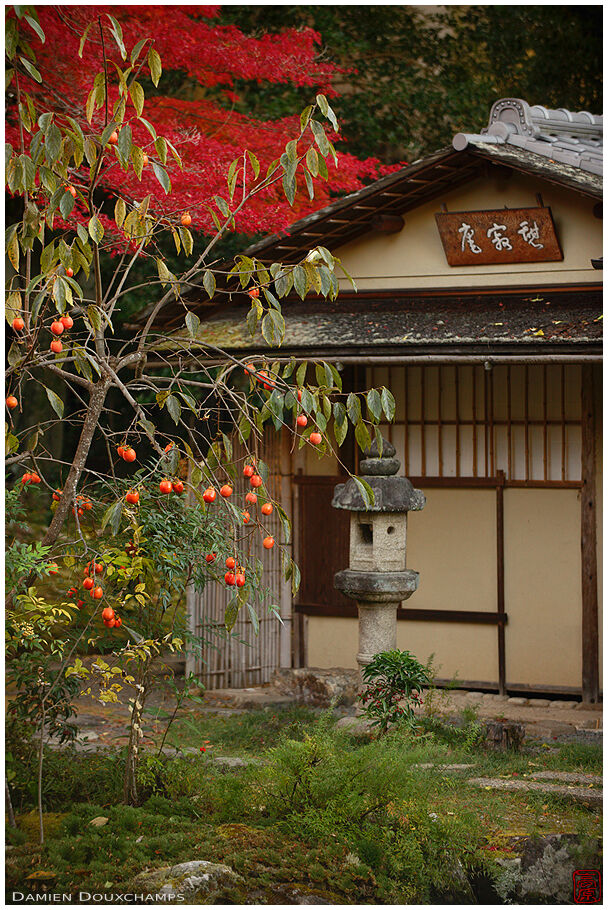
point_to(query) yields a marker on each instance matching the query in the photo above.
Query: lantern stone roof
(561, 136)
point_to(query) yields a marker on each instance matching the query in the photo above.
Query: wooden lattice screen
(466, 421)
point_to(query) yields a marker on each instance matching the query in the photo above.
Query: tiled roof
(565, 152)
(393, 323)
(558, 146)
(570, 138)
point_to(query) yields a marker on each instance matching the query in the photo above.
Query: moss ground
(193, 809)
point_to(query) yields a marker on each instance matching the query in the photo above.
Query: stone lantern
(377, 577)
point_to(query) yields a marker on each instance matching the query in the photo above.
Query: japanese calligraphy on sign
(504, 235)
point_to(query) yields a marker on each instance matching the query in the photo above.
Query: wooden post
(193, 657)
(298, 630)
(286, 604)
(590, 680)
(500, 580)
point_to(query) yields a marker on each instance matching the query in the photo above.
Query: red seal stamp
(587, 886)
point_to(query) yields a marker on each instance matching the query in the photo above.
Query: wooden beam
(387, 224)
(478, 617)
(500, 580)
(477, 685)
(482, 617)
(590, 680)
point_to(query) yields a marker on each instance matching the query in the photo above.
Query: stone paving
(576, 786)
(544, 719)
(588, 796)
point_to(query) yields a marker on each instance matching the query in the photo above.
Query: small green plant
(394, 682)
(151, 774)
(473, 730)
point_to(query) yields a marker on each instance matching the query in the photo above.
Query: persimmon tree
(128, 542)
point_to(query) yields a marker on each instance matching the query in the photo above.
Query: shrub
(376, 802)
(394, 684)
(70, 777)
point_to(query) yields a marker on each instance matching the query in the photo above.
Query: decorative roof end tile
(573, 138)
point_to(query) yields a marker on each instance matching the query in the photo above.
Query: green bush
(70, 777)
(467, 736)
(250, 732)
(374, 801)
(394, 682)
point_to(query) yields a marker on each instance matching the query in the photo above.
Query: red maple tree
(205, 129)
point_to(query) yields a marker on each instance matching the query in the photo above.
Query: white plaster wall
(452, 543)
(543, 586)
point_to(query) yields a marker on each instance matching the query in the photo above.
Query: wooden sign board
(501, 236)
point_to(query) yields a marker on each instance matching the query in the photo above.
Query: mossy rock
(304, 894)
(197, 880)
(30, 824)
(540, 868)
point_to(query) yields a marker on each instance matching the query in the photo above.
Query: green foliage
(351, 820)
(580, 756)
(70, 776)
(44, 699)
(193, 787)
(371, 799)
(84, 846)
(151, 774)
(394, 682)
(21, 558)
(247, 733)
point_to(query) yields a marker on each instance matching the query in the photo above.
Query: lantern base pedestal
(377, 630)
(378, 594)
(376, 587)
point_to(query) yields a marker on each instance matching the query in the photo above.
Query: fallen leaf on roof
(499, 323)
(540, 332)
(598, 318)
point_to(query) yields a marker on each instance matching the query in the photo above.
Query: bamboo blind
(241, 658)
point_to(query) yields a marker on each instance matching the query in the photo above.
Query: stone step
(569, 777)
(246, 698)
(588, 797)
(427, 766)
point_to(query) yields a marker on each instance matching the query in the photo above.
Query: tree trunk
(9, 805)
(40, 761)
(131, 796)
(96, 403)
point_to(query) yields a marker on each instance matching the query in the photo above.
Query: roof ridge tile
(559, 134)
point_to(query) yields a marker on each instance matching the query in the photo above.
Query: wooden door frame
(590, 681)
(590, 606)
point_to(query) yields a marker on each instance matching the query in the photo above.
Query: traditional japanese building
(479, 299)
